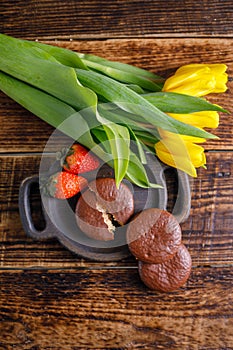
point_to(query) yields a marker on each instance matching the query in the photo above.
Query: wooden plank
(22, 132)
(112, 309)
(111, 19)
(207, 233)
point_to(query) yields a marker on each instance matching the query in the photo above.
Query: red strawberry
(80, 160)
(64, 185)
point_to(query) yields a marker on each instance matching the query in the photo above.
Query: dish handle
(181, 209)
(26, 215)
(182, 206)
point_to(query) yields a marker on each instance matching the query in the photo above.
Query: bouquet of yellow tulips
(125, 104)
(183, 151)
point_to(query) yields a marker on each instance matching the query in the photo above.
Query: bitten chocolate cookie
(103, 205)
(168, 275)
(154, 236)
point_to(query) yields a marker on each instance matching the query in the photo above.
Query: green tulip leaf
(172, 102)
(132, 102)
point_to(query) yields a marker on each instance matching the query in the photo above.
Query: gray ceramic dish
(61, 224)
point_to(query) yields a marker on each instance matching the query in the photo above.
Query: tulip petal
(203, 119)
(198, 79)
(166, 135)
(181, 152)
(179, 160)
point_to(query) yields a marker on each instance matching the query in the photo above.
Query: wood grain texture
(23, 132)
(111, 19)
(207, 233)
(49, 297)
(112, 309)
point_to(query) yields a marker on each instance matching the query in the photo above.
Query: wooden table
(52, 299)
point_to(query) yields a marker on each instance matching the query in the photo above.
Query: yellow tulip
(181, 152)
(203, 119)
(198, 79)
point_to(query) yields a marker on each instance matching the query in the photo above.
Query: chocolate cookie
(168, 275)
(154, 236)
(102, 206)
